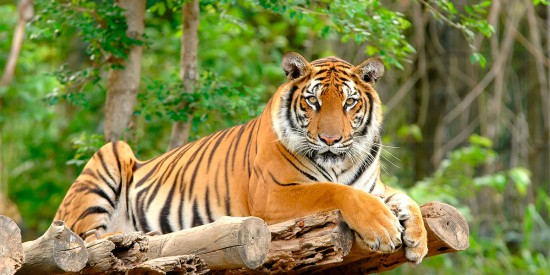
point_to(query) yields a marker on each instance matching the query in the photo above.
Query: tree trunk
(124, 83)
(189, 76)
(26, 12)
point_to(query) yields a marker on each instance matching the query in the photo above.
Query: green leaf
(481, 141)
(522, 179)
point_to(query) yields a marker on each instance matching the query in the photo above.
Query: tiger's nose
(329, 140)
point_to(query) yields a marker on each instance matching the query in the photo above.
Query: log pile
(320, 242)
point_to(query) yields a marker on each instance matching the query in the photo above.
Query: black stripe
(153, 194)
(149, 174)
(105, 167)
(280, 183)
(170, 168)
(226, 179)
(309, 176)
(207, 206)
(236, 147)
(140, 208)
(92, 211)
(289, 107)
(368, 161)
(204, 147)
(89, 172)
(107, 183)
(179, 183)
(196, 216)
(200, 144)
(88, 187)
(217, 183)
(251, 124)
(215, 147)
(115, 152)
(164, 219)
(369, 119)
(387, 199)
(131, 180)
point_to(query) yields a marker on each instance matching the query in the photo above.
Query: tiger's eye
(350, 101)
(312, 100)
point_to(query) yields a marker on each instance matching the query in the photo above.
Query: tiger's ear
(370, 70)
(294, 65)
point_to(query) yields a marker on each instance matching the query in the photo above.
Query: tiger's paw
(376, 227)
(414, 236)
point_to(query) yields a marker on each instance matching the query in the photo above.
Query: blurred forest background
(466, 94)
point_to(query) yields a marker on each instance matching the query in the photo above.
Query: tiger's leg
(97, 199)
(408, 212)
(375, 225)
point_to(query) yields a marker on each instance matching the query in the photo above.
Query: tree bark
(321, 243)
(186, 264)
(189, 75)
(11, 248)
(116, 253)
(58, 250)
(124, 83)
(229, 242)
(311, 241)
(26, 12)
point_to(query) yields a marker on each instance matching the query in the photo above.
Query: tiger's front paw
(376, 227)
(414, 236)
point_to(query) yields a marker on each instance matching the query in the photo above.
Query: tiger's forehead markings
(331, 72)
(349, 89)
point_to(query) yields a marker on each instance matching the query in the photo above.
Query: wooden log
(448, 232)
(227, 243)
(58, 250)
(11, 247)
(116, 253)
(295, 246)
(186, 264)
(307, 242)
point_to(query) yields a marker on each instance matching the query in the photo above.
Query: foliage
(470, 23)
(213, 98)
(102, 28)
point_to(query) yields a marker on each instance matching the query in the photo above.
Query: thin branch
(512, 23)
(439, 15)
(403, 91)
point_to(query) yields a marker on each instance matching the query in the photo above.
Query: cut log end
(444, 222)
(58, 250)
(255, 239)
(11, 248)
(447, 232)
(69, 250)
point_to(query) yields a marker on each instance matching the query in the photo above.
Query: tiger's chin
(329, 158)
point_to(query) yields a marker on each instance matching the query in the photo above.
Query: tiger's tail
(100, 193)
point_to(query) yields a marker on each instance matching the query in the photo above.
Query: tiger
(315, 147)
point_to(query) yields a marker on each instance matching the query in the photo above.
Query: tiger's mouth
(330, 157)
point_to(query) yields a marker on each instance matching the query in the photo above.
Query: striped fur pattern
(315, 147)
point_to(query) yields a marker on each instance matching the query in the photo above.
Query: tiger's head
(328, 110)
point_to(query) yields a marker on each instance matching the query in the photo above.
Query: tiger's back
(315, 147)
(188, 186)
